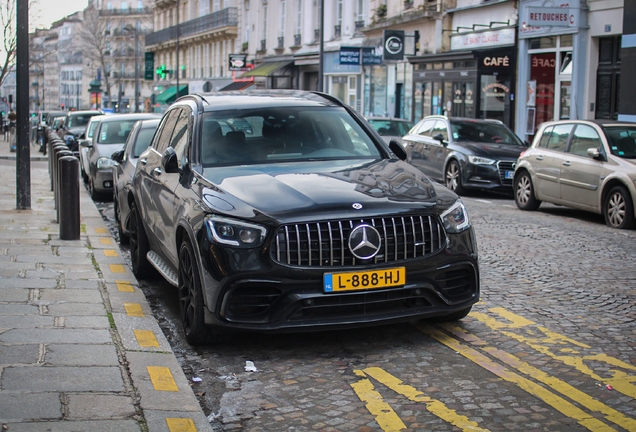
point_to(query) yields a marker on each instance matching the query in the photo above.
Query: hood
(322, 190)
(494, 150)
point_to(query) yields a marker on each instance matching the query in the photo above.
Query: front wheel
(191, 302)
(454, 178)
(618, 208)
(524, 193)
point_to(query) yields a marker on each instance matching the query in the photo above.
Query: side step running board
(163, 268)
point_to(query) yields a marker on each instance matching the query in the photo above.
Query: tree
(9, 37)
(94, 36)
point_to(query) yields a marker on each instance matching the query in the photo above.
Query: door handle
(566, 163)
(143, 161)
(156, 172)
(539, 158)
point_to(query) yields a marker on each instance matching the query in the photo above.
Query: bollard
(56, 192)
(69, 213)
(55, 148)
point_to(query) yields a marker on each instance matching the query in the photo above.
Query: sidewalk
(80, 349)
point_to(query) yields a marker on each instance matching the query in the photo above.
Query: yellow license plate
(362, 280)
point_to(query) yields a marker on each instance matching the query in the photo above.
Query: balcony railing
(317, 35)
(222, 18)
(297, 40)
(359, 24)
(337, 30)
(263, 44)
(281, 42)
(126, 11)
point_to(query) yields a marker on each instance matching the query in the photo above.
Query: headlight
(235, 233)
(478, 160)
(456, 218)
(104, 163)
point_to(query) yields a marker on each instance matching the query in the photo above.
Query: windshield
(78, 120)
(249, 136)
(483, 132)
(622, 141)
(115, 132)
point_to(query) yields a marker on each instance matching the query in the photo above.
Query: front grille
(504, 166)
(324, 244)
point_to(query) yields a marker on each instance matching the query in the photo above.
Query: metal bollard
(56, 192)
(69, 213)
(55, 148)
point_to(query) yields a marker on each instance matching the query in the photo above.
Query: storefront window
(377, 91)
(542, 73)
(544, 42)
(495, 97)
(427, 99)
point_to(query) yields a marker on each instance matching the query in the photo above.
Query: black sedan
(286, 211)
(465, 153)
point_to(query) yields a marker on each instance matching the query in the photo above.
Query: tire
(191, 303)
(524, 192)
(123, 238)
(455, 316)
(618, 208)
(453, 177)
(139, 247)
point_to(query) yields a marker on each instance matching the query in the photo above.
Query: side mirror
(526, 143)
(169, 161)
(440, 138)
(397, 148)
(594, 153)
(86, 143)
(118, 156)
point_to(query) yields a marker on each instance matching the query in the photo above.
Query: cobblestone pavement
(551, 346)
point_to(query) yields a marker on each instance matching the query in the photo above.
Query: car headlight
(235, 233)
(104, 163)
(456, 219)
(478, 160)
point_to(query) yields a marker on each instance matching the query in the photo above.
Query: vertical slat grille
(504, 166)
(324, 244)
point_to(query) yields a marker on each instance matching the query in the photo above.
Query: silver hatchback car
(585, 164)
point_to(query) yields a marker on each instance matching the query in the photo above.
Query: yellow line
(561, 386)
(146, 338)
(162, 379)
(386, 418)
(134, 309)
(105, 240)
(124, 286)
(110, 252)
(101, 230)
(180, 425)
(557, 402)
(117, 268)
(434, 406)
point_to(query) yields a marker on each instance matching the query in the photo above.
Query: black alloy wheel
(139, 246)
(191, 303)
(618, 208)
(453, 177)
(524, 192)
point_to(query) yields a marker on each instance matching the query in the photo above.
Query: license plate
(510, 174)
(362, 280)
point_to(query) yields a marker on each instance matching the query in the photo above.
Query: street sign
(393, 44)
(149, 66)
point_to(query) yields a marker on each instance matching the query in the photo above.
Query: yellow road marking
(432, 405)
(146, 338)
(117, 268)
(162, 379)
(105, 240)
(555, 383)
(180, 425)
(124, 286)
(134, 309)
(110, 252)
(386, 418)
(101, 230)
(557, 402)
(543, 340)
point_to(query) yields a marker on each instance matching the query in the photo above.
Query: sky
(54, 10)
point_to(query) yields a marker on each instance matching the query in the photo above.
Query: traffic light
(417, 41)
(10, 99)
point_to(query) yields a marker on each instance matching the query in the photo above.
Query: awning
(237, 86)
(266, 69)
(170, 95)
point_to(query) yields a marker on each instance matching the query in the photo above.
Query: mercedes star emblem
(364, 242)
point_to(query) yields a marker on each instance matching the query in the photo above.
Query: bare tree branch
(8, 23)
(93, 37)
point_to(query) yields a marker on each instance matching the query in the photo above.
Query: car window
(91, 129)
(115, 132)
(583, 138)
(180, 136)
(440, 129)
(78, 120)
(622, 141)
(291, 133)
(165, 130)
(558, 137)
(545, 137)
(143, 141)
(426, 127)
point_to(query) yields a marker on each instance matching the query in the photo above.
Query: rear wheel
(524, 192)
(454, 178)
(139, 246)
(191, 302)
(618, 208)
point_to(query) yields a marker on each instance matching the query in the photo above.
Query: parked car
(299, 217)
(84, 143)
(391, 128)
(126, 162)
(584, 164)
(73, 127)
(110, 135)
(464, 153)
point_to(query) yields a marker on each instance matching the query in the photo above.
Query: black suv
(285, 210)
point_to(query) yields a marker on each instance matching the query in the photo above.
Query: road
(551, 345)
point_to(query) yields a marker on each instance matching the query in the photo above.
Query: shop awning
(237, 86)
(170, 95)
(266, 69)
